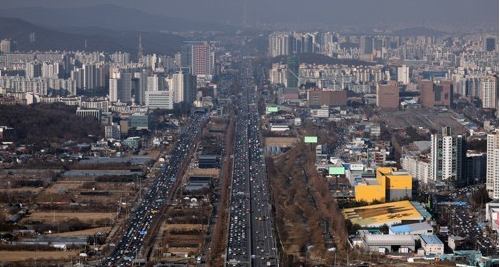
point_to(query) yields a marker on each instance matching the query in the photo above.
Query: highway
(251, 239)
(130, 244)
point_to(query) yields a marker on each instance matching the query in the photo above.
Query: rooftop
(401, 229)
(389, 240)
(380, 214)
(431, 239)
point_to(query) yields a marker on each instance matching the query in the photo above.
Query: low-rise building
(432, 245)
(422, 228)
(389, 243)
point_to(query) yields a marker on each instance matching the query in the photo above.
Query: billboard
(357, 167)
(336, 170)
(271, 109)
(310, 139)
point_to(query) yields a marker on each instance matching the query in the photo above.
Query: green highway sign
(310, 139)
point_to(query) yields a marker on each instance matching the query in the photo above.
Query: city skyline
(359, 13)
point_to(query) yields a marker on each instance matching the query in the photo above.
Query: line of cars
(129, 246)
(251, 239)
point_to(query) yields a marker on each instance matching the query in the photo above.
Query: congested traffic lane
(129, 246)
(251, 240)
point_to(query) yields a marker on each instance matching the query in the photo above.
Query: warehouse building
(389, 184)
(389, 243)
(422, 228)
(401, 212)
(208, 162)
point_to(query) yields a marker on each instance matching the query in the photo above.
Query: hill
(418, 31)
(105, 16)
(311, 58)
(48, 123)
(98, 39)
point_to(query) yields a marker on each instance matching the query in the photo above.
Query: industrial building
(198, 183)
(388, 184)
(422, 228)
(387, 214)
(389, 243)
(208, 161)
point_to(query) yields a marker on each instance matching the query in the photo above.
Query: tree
(480, 197)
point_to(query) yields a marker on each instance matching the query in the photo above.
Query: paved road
(251, 239)
(140, 220)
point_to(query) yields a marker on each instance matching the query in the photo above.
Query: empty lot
(425, 118)
(25, 255)
(62, 216)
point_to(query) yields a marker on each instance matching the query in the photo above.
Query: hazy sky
(326, 11)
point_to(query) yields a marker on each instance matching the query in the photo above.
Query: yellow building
(388, 184)
(386, 214)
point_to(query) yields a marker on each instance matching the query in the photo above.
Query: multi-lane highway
(251, 239)
(129, 246)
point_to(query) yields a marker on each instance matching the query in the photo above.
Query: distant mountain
(418, 31)
(311, 58)
(98, 39)
(105, 16)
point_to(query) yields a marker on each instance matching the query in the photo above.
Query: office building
(159, 100)
(183, 87)
(448, 157)
(431, 244)
(436, 94)
(292, 74)
(388, 96)
(6, 46)
(112, 131)
(366, 44)
(186, 56)
(139, 86)
(120, 87)
(489, 92)
(404, 74)
(475, 167)
(490, 44)
(198, 57)
(492, 159)
(330, 98)
(155, 83)
(281, 44)
(202, 59)
(140, 121)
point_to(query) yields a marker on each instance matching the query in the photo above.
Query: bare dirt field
(209, 172)
(421, 118)
(25, 255)
(182, 227)
(280, 141)
(21, 189)
(61, 216)
(91, 231)
(63, 185)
